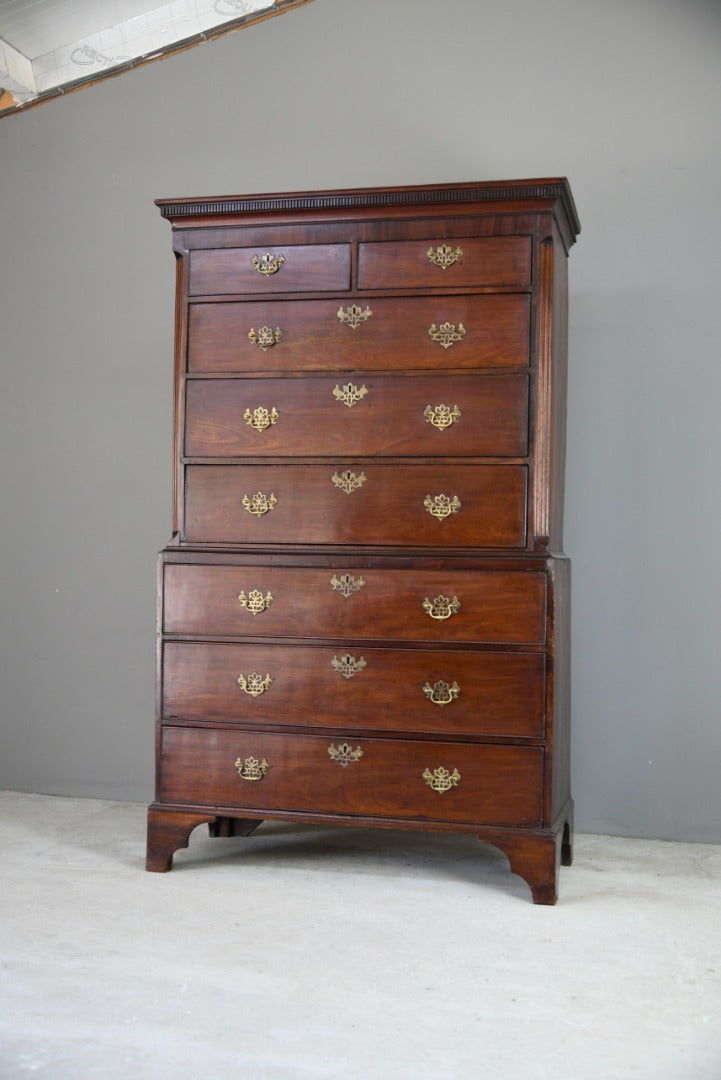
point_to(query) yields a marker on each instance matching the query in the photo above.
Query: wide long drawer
(453, 691)
(427, 415)
(441, 781)
(383, 334)
(443, 606)
(346, 503)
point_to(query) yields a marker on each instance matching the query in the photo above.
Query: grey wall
(622, 98)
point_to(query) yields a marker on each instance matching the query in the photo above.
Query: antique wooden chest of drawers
(364, 608)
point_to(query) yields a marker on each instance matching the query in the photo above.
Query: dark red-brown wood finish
(363, 614)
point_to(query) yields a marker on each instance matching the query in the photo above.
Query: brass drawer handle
(353, 315)
(265, 337)
(444, 255)
(268, 264)
(259, 503)
(344, 754)
(347, 665)
(442, 506)
(442, 416)
(346, 584)
(447, 333)
(441, 693)
(348, 482)
(441, 779)
(349, 394)
(441, 607)
(260, 419)
(254, 684)
(255, 602)
(251, 769)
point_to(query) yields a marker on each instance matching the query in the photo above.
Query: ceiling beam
(16, 73)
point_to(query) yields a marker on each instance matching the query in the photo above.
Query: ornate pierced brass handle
(254, 684)
(442, 506)
(348, 481)
(344, 754)
(349, 394)
(265, 337)
(347, 665)
(260, 418)
(267, 264)
(441, 607)
(441, 693)
(442, 416)
(255, 602)
(447, 333)
(259, 503)
(441, 779)
(354, 315)
(251, 769)
(346, 584)
(443, 255)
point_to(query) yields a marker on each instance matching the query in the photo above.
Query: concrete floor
(312, 952)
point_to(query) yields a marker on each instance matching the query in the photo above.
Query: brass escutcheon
(344, 754)
(348, 482)
(441, 779)
(265, 337)
(251, 768)
(447, 333)
(347, 665)
(259, 503)
(444, 255)
(255, 602)
(353, 316)
(268, 264)
(254, 684)
(442, 506)
(260, 419)
(442, 416)
(441, 693)
(349, 394)
(346, 584)
(441, 607)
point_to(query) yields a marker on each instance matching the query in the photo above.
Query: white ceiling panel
(35, 27)
(49, 44)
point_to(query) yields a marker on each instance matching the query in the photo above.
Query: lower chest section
(397, 690)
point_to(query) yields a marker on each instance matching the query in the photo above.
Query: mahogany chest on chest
(364, 608)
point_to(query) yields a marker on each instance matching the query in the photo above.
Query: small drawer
(381, 778)
(386, 333)
(284, 268)
(469, 506)
(425, 415)
(440, 606)
(451, 691)
(438, 263)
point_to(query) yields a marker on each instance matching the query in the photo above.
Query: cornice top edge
(556, 189)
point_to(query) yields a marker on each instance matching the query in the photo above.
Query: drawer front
(426, 415)
(493, 784)
(492, 260)
(452, 691)
(308, 335)
(504, 607)
(292, 268)
(426, 505)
